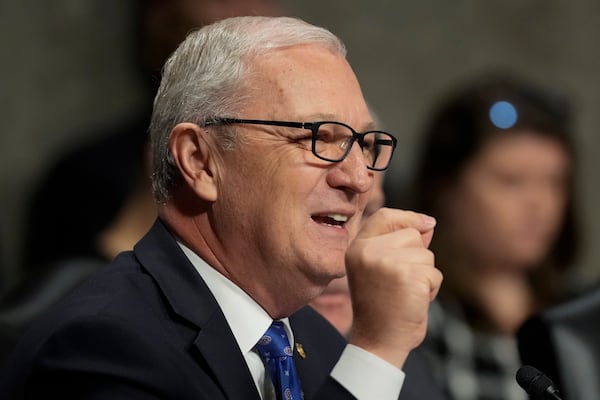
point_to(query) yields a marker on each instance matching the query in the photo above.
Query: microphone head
(533, 381)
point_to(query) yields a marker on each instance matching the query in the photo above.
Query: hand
(392, 281)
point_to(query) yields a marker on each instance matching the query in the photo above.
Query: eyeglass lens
(333, 143)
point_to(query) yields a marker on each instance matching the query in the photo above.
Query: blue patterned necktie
(275, 350)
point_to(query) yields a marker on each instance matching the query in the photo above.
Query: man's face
(286, 216)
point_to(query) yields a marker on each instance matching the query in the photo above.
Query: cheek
(481, 219)
(244, 190)
(557, 218)
(555, 205)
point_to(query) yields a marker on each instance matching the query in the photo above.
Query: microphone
(537, 384)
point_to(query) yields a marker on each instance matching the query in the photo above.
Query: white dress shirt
(363, 374)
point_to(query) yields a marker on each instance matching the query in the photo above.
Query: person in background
(563, 343)
(264, 154)
(111, 206)
(497, 170)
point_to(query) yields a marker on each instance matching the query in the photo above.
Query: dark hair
(462, 125)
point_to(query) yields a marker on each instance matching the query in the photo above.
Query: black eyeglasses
(332, 141)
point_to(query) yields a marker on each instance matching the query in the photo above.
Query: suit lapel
(317, 349)
(190, 298)
(305, 368)
(219, 349)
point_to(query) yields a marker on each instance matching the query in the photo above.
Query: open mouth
(334, 220)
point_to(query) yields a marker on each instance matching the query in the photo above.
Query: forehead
(526, 148)
(306, 81)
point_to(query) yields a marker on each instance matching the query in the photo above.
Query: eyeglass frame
(314, 128)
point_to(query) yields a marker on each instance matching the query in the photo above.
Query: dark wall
(65, 66)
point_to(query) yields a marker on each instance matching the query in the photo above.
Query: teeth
(338, 217)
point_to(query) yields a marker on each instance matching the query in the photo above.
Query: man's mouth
(335, 220)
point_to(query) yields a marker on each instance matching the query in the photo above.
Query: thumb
(387, 220)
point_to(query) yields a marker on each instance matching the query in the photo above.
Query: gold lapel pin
(300, 350)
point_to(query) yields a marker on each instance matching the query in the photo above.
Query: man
(256, 216)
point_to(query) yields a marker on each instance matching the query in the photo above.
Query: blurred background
(68, 65)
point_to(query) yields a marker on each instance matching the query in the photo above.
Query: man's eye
(327, 136)
(305, 141)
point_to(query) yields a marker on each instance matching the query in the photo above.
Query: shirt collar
(246, 318)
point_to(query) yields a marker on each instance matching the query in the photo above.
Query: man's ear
(196, 157)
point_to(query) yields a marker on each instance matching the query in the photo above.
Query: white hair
(203, 78)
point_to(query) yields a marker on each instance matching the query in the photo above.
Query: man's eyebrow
(371, 125)
(319, 117)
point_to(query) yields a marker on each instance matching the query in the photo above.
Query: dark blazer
(564, 343)
(147, 327)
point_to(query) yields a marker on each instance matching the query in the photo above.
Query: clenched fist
(393, 279)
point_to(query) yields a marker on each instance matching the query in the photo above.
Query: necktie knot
(275, 350)
(275, 342)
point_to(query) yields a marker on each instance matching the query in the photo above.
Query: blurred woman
(497, 172)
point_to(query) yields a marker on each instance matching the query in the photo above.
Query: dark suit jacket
(564, 343)
(147, 327)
